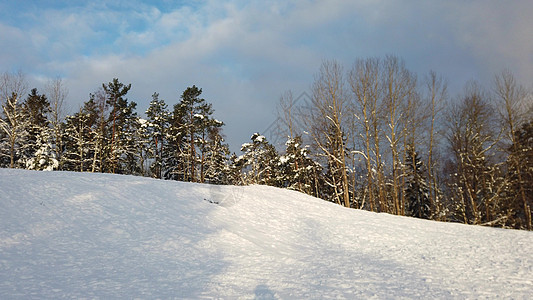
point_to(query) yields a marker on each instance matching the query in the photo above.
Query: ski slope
(81, 235)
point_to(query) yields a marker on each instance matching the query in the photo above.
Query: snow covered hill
(72, 235)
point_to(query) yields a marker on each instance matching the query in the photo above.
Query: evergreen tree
(235, 174)
(144, 138)
(45, 157)
(191, 124)
(520, 174)
(175, 149)
(96, 108)
(79, 140)
(217, 170)
(129, 155)
(37, 151)
(158, 124)
(4, 147)
(297, 170)
(119, 120)
(416, 190)
(260, 162)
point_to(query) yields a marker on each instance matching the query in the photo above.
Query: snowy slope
(72, 235)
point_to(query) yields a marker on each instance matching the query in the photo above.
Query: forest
(373, 136)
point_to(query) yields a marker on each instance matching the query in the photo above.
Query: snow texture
(81, 235)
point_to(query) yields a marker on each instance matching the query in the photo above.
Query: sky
(246, 54)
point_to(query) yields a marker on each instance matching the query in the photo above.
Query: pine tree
(143, 138)
(121, 112)
(191, 123)
(235, 174)
(129, 155)
(175, 150)
(259, 162)
(158, 124)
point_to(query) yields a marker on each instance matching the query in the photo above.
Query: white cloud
(245, 54)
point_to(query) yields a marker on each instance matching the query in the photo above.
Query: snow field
(80, 235)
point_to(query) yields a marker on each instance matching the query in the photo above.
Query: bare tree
(436, 89)
(324, 121)
(286, 116)
(12, 83)
(399, 86)
(414, 117)
(57, 92)
(472, 135)
(366, 91)
(12, 87)
(512, 104)
(99, 100)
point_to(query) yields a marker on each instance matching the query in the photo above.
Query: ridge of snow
(72, 235)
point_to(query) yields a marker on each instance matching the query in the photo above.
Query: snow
(82, 235)
(284, 158)
(259, 138)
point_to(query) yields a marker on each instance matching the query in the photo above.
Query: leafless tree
(364, 80)
(472, 134)
(512, 103)
(286, 117)
(324, 122)
(436, 96)
(12, 83)
(57, 92)
(399, 86)
(12, 87)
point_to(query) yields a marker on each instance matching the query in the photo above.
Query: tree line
(389, 142)
(106, 134)
(374, 137)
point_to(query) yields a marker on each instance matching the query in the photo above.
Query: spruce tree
(217, 170)
(36, 150)
(297, 170)
(519, 192)
(416, 190)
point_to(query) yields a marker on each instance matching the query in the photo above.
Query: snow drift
(71, 235)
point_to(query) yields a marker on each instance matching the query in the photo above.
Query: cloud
(246, 54)
(498, 34)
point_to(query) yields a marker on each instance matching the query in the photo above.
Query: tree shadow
(263, 292)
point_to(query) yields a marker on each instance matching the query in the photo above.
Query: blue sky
(245, 54)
